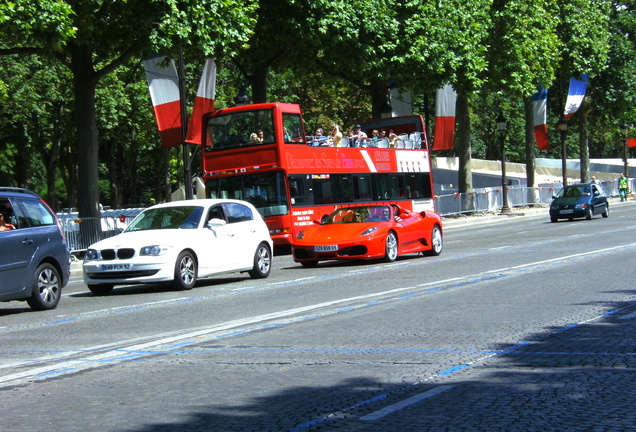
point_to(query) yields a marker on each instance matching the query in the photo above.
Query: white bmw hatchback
(180, 242)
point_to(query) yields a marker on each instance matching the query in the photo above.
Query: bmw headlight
(91, 254)
(154, 250)
(369, 230)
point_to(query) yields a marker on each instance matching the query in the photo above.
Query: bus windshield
(265, 191)
(240, 129)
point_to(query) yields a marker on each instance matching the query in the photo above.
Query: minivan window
(38, 213)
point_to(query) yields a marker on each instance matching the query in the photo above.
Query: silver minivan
(34, 257)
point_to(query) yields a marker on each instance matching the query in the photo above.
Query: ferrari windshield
(167, 218)
(358, 215)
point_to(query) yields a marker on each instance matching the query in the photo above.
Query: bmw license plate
(329, 248)
(566, 211)
(116, 267)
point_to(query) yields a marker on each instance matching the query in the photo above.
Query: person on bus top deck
(360, 138)
(375, 135)
(336, 136)
(319, 138)
(393, 139)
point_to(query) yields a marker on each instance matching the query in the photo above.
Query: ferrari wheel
(437, 243)
(391, 247)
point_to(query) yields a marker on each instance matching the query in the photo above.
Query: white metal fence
(491, 199)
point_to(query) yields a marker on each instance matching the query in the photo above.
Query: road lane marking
(405, 403)
(109, 353)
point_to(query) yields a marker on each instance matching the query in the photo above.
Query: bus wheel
(262, 262)
(437, 243)
(391, 247)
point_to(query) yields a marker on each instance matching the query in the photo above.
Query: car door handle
(27, 241)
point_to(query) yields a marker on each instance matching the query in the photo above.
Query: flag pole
(184, 125)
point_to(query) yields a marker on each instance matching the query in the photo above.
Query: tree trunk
(86, 124)
(528, 105)
(465, 180)
(22, 157)
(259, 84)
(584, 147)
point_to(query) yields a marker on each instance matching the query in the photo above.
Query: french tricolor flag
(445, 102)
(576, 94)
(540, 114)
(163, 83)
(203, 103)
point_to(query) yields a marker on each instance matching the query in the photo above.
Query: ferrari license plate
(329, 248)
(567, 211)
(116, 267)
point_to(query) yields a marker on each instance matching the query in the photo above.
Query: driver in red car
(400, 213)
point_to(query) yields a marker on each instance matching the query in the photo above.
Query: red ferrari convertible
(364, 232)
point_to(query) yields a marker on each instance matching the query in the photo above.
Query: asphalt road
(520, 325)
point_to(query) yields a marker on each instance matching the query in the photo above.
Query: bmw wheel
(262, 262)
(101, 289)
(46, 288)
(391, 247)
(185, 271)
(437, 243)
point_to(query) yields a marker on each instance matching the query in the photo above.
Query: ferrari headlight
(154, 250)
(369, 230)
(91, 254)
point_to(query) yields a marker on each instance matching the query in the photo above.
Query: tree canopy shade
(93, 38)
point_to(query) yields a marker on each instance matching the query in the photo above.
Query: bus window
(417, 186)
(265, 191)
(329, 189)
(300, 190)
(294, 133)
(240, 129)
(362, 188)
(380, 183)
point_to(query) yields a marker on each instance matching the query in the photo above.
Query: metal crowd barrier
(490, 199)
(98, 228)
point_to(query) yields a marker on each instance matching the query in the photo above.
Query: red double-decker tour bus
(261, 154)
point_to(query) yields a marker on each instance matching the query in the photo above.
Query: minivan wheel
(46, 288)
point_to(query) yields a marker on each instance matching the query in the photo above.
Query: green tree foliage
(80, 35)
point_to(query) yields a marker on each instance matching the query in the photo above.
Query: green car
(583, 200)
